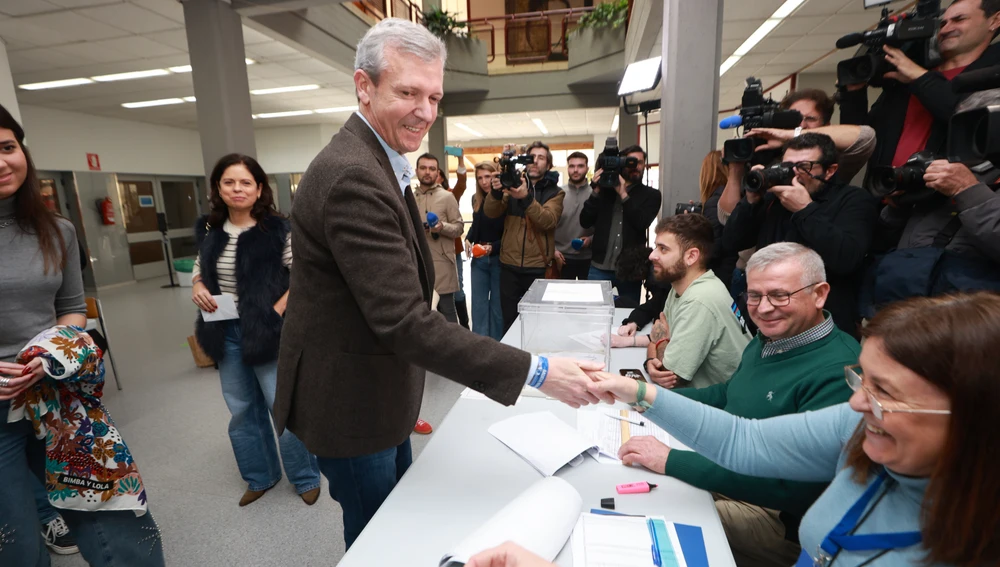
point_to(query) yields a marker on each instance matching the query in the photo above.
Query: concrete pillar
(628, 129)
(692, 45)
(219, 73)
(8, 93)
(437, 139)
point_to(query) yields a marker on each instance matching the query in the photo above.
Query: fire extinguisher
(107, 210)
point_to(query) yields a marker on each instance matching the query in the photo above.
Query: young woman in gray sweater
(40, 287)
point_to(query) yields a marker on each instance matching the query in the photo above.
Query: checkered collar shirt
(814, 334)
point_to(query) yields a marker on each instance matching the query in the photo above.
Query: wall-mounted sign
(146, 201)
(93, 162)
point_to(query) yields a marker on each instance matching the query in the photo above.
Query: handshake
(579, 383)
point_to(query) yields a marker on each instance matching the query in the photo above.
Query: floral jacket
(87, 465)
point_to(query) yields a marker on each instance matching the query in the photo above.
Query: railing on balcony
(380, 9)
(528, 36)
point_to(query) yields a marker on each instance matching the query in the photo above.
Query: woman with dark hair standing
(52, 424)
(245, 251)
(911, 460)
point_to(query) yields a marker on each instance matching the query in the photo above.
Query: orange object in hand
(478, 251)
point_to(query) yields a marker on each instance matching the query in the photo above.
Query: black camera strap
(947, 233)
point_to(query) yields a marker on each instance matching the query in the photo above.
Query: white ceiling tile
(270, 49)
(174, 38)
(824, 7)
(740, 30)
(72, 27)
(847, 23)
(310, 66)
(798, 26)
(138, 47)
(798, 57)
(171, 9)
(24, 7)
(130, 18)
(91, 52)
(24, 31)
(77, 3)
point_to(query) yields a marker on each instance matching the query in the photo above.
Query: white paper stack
(544, 440)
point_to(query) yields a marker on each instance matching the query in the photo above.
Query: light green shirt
(707, 333)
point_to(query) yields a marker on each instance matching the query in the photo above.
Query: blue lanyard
(839, 537)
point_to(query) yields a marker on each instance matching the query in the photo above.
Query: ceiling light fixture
(278, 90)
(158, 102)
(760, 33)
(284, 114)
(336, 109)
(614, 124)
(180, 69)
(131, 75)
(189, 99)
(475, 133)
(541, 125)
(56, 84)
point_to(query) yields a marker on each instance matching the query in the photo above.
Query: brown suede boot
(251, 496)
(310, 496)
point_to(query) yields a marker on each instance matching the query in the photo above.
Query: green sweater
(807, 378)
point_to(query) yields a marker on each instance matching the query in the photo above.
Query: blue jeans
(46, 513)
(630, 290)
(106, 539)
(249, 394)
(361, 484)
(460, 294)
(487, 317)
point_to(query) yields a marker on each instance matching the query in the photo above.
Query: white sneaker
(58, 538)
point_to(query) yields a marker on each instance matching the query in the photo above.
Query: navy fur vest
(261, 280)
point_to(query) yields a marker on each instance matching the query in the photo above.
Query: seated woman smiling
(911, 458)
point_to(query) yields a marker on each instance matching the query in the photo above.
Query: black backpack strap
(948, 232)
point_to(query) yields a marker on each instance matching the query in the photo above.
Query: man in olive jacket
(529, 231)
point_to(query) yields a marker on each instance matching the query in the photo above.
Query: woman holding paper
(52, 422)
(911, 459)
(245, 252)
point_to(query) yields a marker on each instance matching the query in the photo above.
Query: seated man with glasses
(794, 364)
(816, 210)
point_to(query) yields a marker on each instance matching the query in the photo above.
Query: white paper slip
(626, 541)
(540, 520)
(542, 439)
(573, 293)
(594, 340)
(610, 434)
(226, 309)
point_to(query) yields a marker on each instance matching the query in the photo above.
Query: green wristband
(640, 395)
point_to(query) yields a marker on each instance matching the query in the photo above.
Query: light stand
(161, 222)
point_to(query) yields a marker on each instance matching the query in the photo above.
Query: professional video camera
(510, 175)
(612, 164)
(756, 112)
(689, 208)
(907, 178)
(763, 179)
(914, 32)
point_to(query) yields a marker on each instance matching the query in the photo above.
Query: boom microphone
(850, 40)
(731, 122)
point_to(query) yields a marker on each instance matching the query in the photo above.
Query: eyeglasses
(855, 379)
(804, 166)
(775, 298)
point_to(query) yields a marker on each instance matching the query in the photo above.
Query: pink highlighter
(634, 488)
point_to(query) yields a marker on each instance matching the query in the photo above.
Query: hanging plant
(608, 15)
(444, 24)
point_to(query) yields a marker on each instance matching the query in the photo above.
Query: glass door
(143, 198)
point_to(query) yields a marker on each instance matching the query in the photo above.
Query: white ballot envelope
(226, 309)
(540, 520)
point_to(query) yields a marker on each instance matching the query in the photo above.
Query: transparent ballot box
(568, 318)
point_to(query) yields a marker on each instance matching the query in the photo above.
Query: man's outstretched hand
(569, 382)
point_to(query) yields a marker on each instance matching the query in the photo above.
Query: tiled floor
(174, 420)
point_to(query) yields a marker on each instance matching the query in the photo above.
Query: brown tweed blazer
(359, 332)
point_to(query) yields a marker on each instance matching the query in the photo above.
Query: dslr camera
(612, 164)
(508, 162)
(691, 208)
(914, 32)
(908, 178)
(761, 180)
(756, 112)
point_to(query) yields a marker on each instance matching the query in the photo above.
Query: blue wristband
(541, 372)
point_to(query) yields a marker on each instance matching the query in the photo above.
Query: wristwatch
(798, 131)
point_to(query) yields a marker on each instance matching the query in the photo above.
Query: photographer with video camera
(533, 203)
(942, 220)
(620, 210)
(916, 103)
(800, 200)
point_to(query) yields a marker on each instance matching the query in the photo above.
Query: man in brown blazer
(359, 332)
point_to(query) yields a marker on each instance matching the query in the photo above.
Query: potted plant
(599, 33)
(464, 53)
